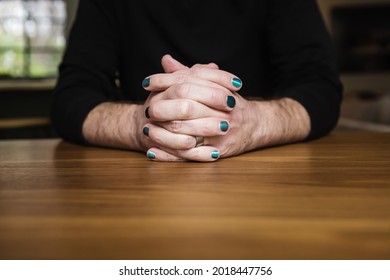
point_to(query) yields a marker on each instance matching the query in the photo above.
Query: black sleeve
(302, 61)
(87, 72)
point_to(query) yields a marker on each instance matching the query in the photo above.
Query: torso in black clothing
(195, 31)
(279, 48)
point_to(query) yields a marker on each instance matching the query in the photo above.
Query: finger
(213, 65)
(217, 76)
(201, 154)
(171, 65)
(181, 109)
(164, 138)
(211, 97)
(209, 65)
(163, 81)
(157, 154)
(206, 127)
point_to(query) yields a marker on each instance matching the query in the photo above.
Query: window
(31, 37)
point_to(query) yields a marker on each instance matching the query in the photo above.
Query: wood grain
(326, 199)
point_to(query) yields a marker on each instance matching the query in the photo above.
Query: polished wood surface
(326, 199)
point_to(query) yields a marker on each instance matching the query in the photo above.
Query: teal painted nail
(236, 82)
(231, 101)
(151, 155)
(215, 154)
(147, 113)
(224, 126)
(146, 82)
(146, 131)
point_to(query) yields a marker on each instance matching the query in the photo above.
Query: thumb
(171, 65)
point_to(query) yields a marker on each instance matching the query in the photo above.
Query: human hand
(197, 101)
(230, 126)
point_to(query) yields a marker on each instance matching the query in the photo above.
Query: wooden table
(327, 199)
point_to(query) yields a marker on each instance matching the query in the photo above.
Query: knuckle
(183, 90)
(154, 112)
(188, 142)
(157, 138)
(205, 128)
(195, 71)
(216, 96)
(175, 126)
(214, 65)
(181, 78)
(186, 109)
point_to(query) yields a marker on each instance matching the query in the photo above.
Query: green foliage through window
(31, 37)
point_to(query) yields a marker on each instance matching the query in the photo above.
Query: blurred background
(33, 37)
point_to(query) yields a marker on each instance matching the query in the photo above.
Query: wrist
(116, 125)
(279, 121)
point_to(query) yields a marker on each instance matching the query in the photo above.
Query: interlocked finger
(200, 154)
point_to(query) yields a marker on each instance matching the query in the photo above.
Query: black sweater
(279, 48)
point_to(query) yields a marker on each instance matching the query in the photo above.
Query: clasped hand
(187, 103)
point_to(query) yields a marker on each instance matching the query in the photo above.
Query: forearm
(279, 122)
(115, 125)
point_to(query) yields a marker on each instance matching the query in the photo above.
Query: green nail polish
(231, 101)
(146, 131)
(215, 154)
(147, 113)
(146, 82)
(236, 82)
(224, 126)
(151, 155)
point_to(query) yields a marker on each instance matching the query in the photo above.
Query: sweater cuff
(321, 103)
(68, 118)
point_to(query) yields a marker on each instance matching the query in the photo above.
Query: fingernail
(151, 155)
(231, 101)
(224, 126)
(215, 154)
(146, 82)
(236, 82)
(146, 131)
(147, 113)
